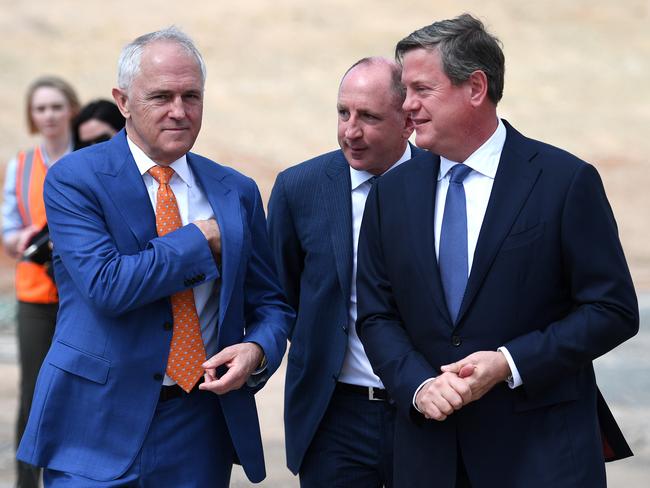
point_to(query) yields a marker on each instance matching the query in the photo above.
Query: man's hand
(16, 244)
(211, 231)
(240, 359)
(482, 370)
(441, 396)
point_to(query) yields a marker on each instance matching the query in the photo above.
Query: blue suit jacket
(310, 226)
(549, 281)
(99, 384)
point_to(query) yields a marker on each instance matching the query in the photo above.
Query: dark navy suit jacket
(549, 281)
(100, 382)
(310, 226)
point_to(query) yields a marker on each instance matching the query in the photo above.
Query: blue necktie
(452, 255)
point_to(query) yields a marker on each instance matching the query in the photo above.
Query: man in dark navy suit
(338, 417)
(490, 277)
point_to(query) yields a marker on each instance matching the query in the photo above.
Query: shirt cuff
(418, 391)
(515, 378)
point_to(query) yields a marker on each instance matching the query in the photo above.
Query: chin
(358, 165)
(423, 140)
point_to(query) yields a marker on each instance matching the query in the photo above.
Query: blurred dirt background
(577, 75)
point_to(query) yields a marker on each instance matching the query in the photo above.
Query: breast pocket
(523, 238)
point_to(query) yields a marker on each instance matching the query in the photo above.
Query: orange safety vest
(32, 282)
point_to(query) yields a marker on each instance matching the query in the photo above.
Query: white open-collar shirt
(193, 205)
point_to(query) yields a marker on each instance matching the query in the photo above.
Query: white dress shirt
(478, 186)
(192, 205)
(356, 368)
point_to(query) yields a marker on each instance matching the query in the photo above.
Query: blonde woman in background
(51, 105)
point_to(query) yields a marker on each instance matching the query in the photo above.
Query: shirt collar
(46, 157)
(485, 159)
(358, 177)
(145, 163)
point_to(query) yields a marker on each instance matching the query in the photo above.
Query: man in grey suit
(338, 417)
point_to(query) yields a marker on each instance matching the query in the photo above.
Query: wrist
(506, 373)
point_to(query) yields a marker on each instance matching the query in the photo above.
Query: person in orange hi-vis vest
(51, 105)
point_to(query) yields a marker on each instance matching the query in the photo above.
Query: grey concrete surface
(623, 376)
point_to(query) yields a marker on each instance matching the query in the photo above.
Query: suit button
(158, 377)
(201, 276)
(455, 341)
(345, 328)
(187, 282)
(167, 326)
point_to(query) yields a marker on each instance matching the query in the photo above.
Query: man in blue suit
(155, 245)
(490, 277)
(338, 417)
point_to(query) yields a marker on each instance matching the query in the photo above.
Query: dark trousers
(353, 446)
(462, 479)
(35, 328)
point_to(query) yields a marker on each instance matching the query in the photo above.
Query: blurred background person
(97, 121)
(51, 105)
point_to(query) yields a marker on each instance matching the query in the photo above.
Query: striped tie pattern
(186, 353)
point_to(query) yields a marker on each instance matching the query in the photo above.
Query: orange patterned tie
(186, 353)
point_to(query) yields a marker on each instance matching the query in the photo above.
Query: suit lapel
(516, 176)
(420, 194)
(337, 201)
(227, 210)
(123, 182)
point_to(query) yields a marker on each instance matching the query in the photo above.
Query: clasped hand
(460, 383)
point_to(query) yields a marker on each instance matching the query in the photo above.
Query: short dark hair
(465, 47)
(103, 110)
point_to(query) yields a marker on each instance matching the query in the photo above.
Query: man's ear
(478, 84)
(122, 102)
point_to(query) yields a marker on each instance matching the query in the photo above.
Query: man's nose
(352, 130)
(177, 108)
(410, 103)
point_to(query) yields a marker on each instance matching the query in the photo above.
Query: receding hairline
(370, 62)
(394, 71)
(130, 59)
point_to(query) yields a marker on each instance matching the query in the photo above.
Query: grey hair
(465, 47)
(398, 89)
(128, 66)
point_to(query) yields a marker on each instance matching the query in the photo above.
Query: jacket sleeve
(285, 244)
(112, 282)
(268, 318)
(605, 311)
